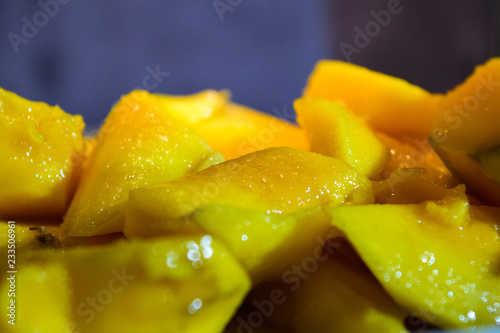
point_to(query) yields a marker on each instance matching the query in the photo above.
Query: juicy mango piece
(408, 186)
(279, 180)
(328, 294)
(266, 243)
(180, 284)
(140, 144)
(438, 259)
(41, 148)
(333, 131)
(212, 159)
(388, 104)
(466, 132)
(232, 129)
(414, 154)
(193, 109)
(271, 194)
(241, 130)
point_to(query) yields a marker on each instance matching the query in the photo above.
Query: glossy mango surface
(333, 131)
(180, 284)
(388, 104)
(438, 259)
(466, 132)
(259, 204)
(41, 148)
(139, 144)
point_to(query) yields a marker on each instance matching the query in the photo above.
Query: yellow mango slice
(279, 180)
(233, 130)
(388, 104)
(241, 130)
(438, 259)
(212, 159)
(271, 194)
(262, 240)
(42, 150)
(333, 131)
(327, 294)
(466, 132)
(196, 108)
(408, 186)
(180, 284)
(416, 153)
(139, 144)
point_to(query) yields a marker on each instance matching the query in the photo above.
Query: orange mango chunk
(334, 131)
(139, 144)
(42, 151)
(387, 104)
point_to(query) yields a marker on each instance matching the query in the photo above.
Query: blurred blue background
(83, 55)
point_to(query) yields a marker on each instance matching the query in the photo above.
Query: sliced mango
(196, 108)
(408, 186)
(278, 180)
(233, 130)
(466, 132)
(266, 243)
(438, 259)
(259, 204)
(327, 294)
(334, 131)
(212, 159)
(388, 104)
(181, 284)
(416, 153)
(241, 130)
(42, 151)
(139, 144)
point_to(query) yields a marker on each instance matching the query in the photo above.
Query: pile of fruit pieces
(378, 213)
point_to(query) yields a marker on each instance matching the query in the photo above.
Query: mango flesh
(437, 259)
(387, 104)
(180, 284)
(41, 148)
(271, 194)
(233, 130)
(279, 180)
(266, 244)
(196, 108)
(416, 153)
(408, 186)
(139, 144)
(328, 294)
(333, 131)
(242, 130)
(466, 131)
